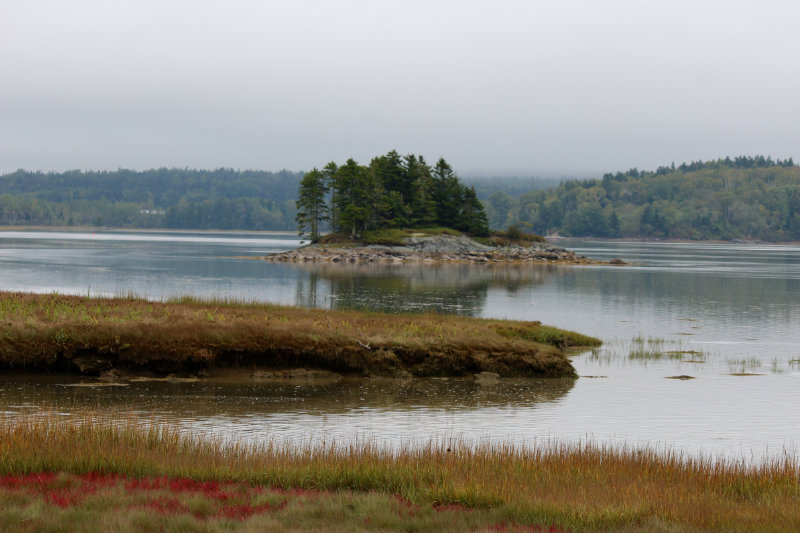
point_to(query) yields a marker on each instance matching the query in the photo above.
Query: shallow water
(704, 310)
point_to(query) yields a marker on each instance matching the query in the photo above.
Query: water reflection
(449, 288)
(227, 398)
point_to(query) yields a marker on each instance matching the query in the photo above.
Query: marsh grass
(578, 487)
(52, 331)
(651, 348)
(743, 365)
(776, 366)
(645, 349)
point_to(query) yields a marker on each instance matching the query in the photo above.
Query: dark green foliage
(400, 192)
(311, 205)
(356, 192)
(472, 218)
(740, 198)
(159, 198)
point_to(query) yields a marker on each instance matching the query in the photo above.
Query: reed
(53, 331)
(577, 487)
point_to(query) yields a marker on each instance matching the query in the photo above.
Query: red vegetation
(226, 500)
(232, 500)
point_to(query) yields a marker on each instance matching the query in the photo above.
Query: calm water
(727, 315)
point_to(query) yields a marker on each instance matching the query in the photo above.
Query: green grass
(396, 236)
(656, 348)
(385, 236)
(362, 487)
(549, 335)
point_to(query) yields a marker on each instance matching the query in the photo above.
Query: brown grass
(574, 487)
(515, 238)
(52, 331)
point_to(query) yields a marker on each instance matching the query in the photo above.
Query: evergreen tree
(354, 188)
(392, 173)
(329, 173)
(447, 194)
(473, 219)
(390, 192)
(423, 205)
(311, 206)
(392, 176)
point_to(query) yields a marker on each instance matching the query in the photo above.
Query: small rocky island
(419, 247)
(399, 209)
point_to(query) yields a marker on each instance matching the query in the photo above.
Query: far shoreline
(293, 233)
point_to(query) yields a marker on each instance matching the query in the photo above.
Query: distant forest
(726, 199)
(740, 198)
(163, 198)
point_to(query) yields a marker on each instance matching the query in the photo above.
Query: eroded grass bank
(92, 335)
(181, 479)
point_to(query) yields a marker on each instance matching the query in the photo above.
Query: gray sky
(497, 87)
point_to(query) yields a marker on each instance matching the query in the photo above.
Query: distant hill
(725, 199)
(159, 198)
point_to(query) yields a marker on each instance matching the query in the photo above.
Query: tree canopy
(740, 198)
(393, 191)
(178, 198)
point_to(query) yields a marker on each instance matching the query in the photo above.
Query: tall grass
(582, 487)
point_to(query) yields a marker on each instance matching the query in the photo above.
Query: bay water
(701, 349)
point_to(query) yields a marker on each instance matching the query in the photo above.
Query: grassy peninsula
(53, 332)
(92, 473)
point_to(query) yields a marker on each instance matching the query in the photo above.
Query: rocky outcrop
(433, 248)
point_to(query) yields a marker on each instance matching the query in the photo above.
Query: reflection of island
(251, 398)
(459, 288)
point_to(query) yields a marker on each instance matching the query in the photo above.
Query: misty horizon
(511, 88)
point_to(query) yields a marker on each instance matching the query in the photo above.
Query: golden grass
(575, 487)
(54, 331)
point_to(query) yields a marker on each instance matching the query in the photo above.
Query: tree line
(730, 198)
(169, 198)
(726, 199)
(392, 191)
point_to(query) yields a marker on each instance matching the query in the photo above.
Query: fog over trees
(731, 198)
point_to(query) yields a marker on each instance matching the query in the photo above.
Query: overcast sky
(545, 88)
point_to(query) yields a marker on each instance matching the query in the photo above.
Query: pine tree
(355, 190)
(391, 192)
(447, 194)
(423, 205)
(329, 173)
(473, 219)
(391, 174)
(311, 206)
